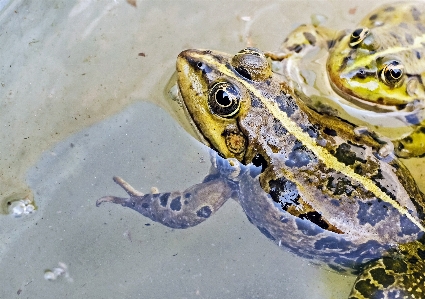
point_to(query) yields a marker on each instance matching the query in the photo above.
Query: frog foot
(387, 147)
(230, 167)
(118, 200)
(276, 56)
(176, 209)
(412, 145)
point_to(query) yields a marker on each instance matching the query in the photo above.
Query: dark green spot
(397, 265)
(204, 212)
(373, 17)
(345, 155)
(175, 204)
(163, 199)
(310, 38)
(330, 132)
(297, 48)
(382, 277)
(365, 287)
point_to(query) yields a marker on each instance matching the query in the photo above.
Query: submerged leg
(176, 209)
(399, 276)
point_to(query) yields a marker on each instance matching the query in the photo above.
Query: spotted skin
(351, 84)
(306, 180)
(176, 209)
(385, 70)
(394, 32)
(398, 276)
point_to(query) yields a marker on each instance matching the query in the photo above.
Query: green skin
(309, 166)
(395, 32)
(355, 71)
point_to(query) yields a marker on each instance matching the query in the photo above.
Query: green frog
(308, 181)
(373, 76)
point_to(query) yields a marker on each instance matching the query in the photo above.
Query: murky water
(82, 100)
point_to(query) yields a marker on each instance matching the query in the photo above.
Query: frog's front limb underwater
(387, 275)
(177, 209)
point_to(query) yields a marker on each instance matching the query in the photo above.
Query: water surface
(82, 100)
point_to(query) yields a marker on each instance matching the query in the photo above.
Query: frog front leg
(176, 209)
(399, 275)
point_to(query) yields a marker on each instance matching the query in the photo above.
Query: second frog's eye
(251, 64)
(358, 36)
(224, 99)
(392, 72)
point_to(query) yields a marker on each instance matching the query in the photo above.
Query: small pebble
(21, 207)
(49, 275)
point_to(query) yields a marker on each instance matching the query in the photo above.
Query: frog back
(308, 181)
(309, 205)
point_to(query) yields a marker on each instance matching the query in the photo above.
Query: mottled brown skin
(307, 181)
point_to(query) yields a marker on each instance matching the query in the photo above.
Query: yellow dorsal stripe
(329, 160)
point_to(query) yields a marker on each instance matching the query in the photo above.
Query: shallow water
(80, 103)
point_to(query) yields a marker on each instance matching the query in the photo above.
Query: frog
(371, 76)
(306, 180)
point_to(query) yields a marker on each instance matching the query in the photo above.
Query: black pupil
(395, 73)
(222, 98)
(356, 33)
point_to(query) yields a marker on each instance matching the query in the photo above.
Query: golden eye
(358, 36)
(392, 72)
(224, 99)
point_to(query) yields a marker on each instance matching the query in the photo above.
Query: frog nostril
(361, 73)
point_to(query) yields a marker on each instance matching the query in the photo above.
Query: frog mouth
(181, 65)
(346, 93)
(199, 136)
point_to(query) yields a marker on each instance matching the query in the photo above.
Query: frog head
(213, 89)
(373, 68)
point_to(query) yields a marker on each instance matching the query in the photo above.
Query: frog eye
(251, 64)
(392, 72)
(224, 99)
(358, 36)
